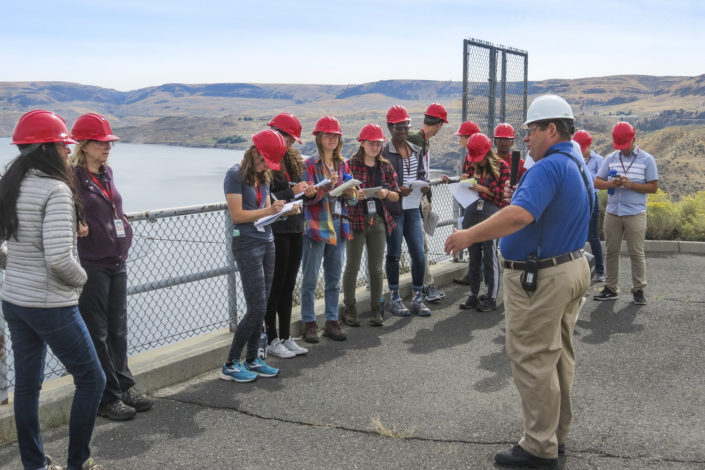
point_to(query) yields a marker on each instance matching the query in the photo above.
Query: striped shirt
(639, 167)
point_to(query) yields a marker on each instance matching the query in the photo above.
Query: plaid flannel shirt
(493, 184)
(318, 211)
(356, 213)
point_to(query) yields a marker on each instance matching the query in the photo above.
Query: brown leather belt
(545, 263)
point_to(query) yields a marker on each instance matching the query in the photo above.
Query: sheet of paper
(413, 200)
(370, 192)
(317, 185)
(338, 191)
(463, 194)
(430, 222)
(270, 219)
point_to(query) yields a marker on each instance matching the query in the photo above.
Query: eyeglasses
(401, 127)
(531, 129)
(329, 135)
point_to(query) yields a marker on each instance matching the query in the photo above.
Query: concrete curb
(183, 360)
(664, 246)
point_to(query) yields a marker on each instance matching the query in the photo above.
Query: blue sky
(130, 44)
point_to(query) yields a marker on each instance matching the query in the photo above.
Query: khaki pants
(427, 277)
(374, 237)
(540, 349)
(631, 228)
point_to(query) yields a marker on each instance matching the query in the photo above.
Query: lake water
(159, 176)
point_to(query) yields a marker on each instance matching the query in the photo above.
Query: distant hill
(669, 112)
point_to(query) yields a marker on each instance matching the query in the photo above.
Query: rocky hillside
(669, 112)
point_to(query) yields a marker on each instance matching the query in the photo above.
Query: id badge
(119, 228)
(480, 205)
(337, 208)
(371, 207)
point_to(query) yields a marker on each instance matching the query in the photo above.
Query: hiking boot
(332, 330)
(132, 397)
(350, 315)
(376, 318)
(261, 368)
(91, 465)
(463, 281)
(432, 294)
(470, 303)
(237, 373)
(311, 332)
(117, 411)
(600, 277)
(277, 349)
(418, 307)
(606, 294)
(397, 307)
(487, 305)
(291, 345)
(638, 297)
(50, 464)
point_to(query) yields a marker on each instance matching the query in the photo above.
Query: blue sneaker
(237, 372)
(259, 367)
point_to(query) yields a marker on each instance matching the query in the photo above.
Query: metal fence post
(232, 276)
(493, 90)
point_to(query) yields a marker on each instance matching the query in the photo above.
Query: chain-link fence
(495, 86)
(182, 280)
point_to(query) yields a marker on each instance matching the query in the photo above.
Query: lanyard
(258, 190)
(108, 192)
(626, 170)
(328, 172)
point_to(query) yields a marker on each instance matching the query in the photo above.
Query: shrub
(662, 217)
(692, 217)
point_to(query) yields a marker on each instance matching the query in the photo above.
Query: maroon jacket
(102, 247)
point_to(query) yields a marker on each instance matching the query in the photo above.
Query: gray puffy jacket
(42, 263)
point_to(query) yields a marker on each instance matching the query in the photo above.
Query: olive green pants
(374, 237)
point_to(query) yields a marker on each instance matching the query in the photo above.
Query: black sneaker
(487, 305)
(117, 411)
(639, 298)
(606, 294)
(136, 400)
(470, 303)
(517, 456)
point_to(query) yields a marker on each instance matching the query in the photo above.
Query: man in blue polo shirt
(546, 275)
(630, 174)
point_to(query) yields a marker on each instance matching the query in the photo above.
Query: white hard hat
(548, 107)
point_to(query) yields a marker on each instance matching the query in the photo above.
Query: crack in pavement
(588, 451)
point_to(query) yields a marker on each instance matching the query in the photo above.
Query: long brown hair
(248, 168)
(336, 152)
(492, 163)
(360, 155)
(293, 163)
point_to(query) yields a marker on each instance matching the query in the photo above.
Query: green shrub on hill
(662, 217)
(692, 221)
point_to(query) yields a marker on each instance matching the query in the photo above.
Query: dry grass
(382, 430)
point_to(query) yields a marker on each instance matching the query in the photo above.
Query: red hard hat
(39, 126)
(92, 126)
(623, 135)
(371, 132)
(504, 131)
(271, 145)
(583, 138)
(329, 125)
(478, 146)
(438, 111)
(288, 123)
(468, 128)
(397, 113)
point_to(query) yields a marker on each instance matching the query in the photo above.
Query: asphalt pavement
(437, 392)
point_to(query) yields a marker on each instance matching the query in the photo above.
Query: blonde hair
(248, 168)
(492, 163)
(78, 157)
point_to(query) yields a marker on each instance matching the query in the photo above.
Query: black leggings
(287, 260)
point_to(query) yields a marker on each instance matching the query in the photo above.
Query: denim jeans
(62, 328)
(594, 240)
(409, 227)
(103, 306)
(255, 261)
(332, 256)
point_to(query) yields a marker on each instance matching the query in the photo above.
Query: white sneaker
(277, 349)
(291, 345)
